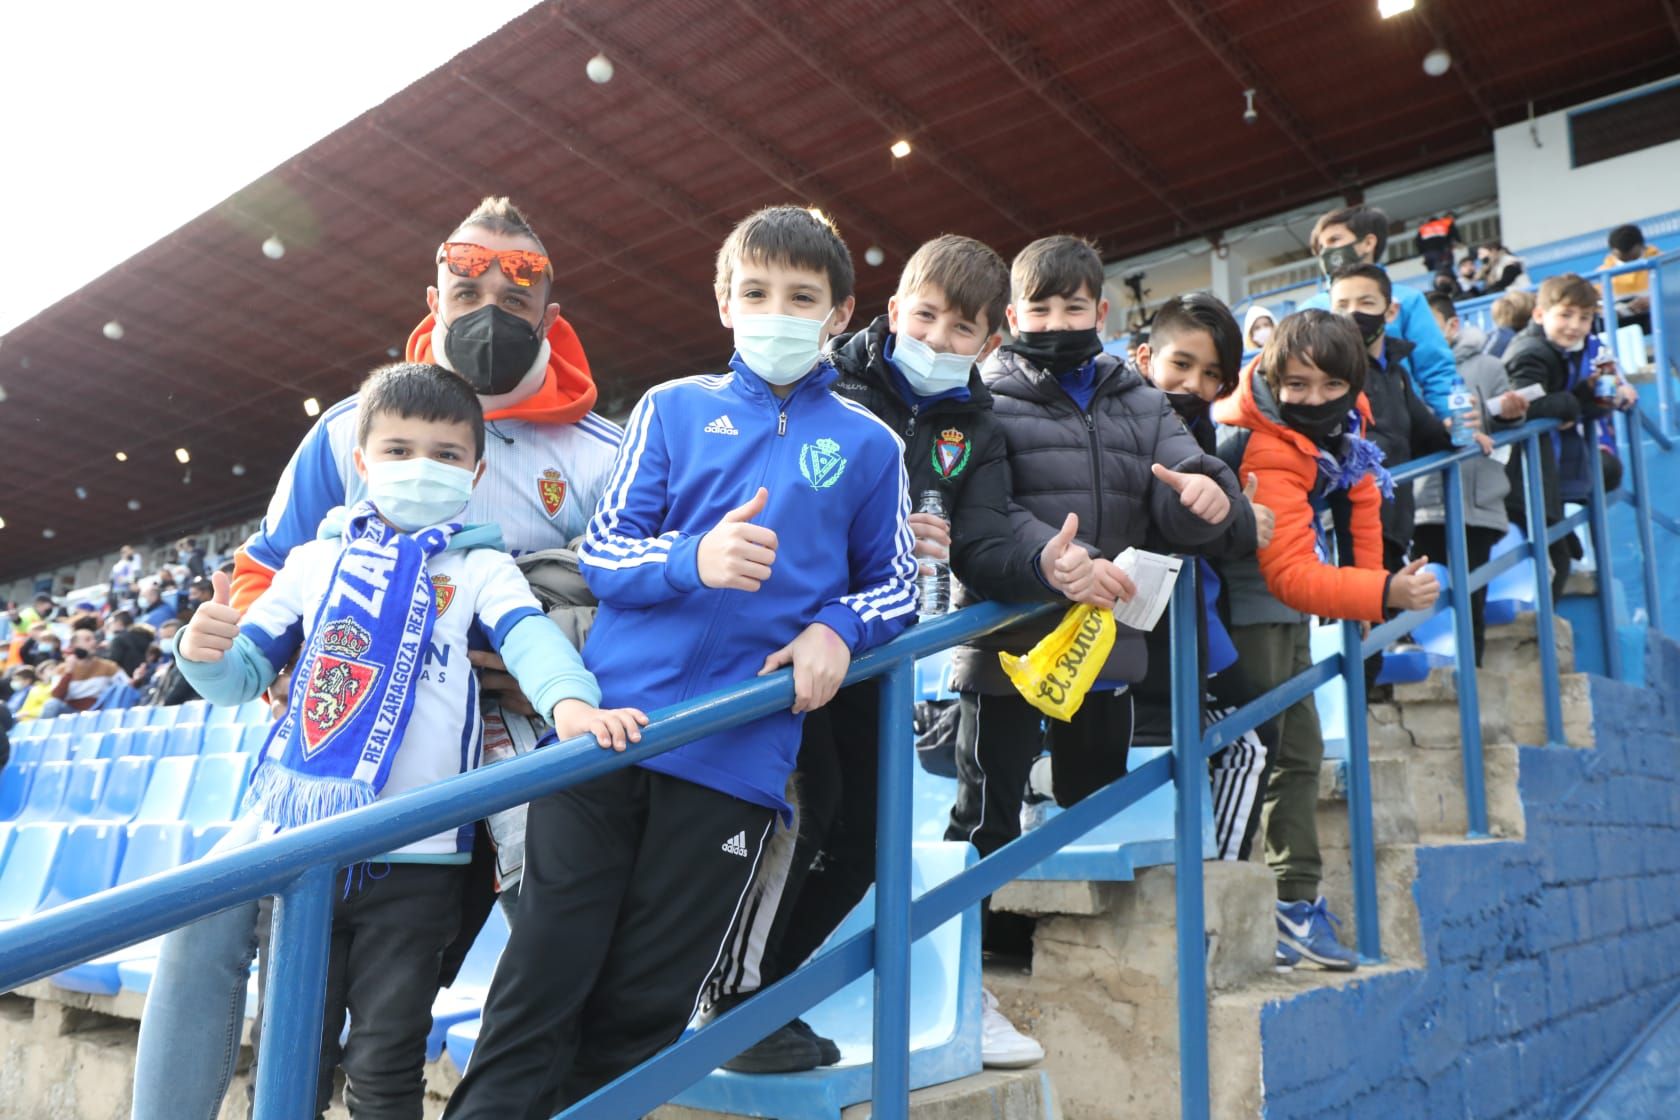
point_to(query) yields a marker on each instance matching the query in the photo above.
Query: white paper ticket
(1154, 575)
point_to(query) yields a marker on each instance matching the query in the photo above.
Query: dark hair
(1513, 310)
(498, 215)
(791, 236)
(123, 617)
(1442, 304)
(1315, 336)
(88, 622)
(1363, 221)
(1568, 288)
(1063, 265)
(416, 390)
(969, 274)
(1202, 312)
(1374, 273)
(1626, 239)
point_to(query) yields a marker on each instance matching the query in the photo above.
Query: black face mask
(1334, 260)
(1318, 422)
(492, 349)
(1370, 326)
(1189, 406)
(1058, 352)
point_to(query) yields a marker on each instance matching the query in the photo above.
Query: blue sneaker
(1285, 958)
(1307, 927)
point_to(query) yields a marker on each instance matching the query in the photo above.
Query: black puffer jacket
(1095, 464)
(1403, 426)
(957, 448)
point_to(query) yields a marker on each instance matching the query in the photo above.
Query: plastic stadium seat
(46, 792)
(184, 738)
(28, 868)
(464, 999)
(87, 782)
(166, 792)
(217, 788)
(203, 839)
(151, 848)
(221, 713)
(55, 748)
(193, 711)
(108, 719)
(152, 742)
(162, 715)
(136, 716)
(88, 860)
(254, 712)
(124, 741)
(6, 831)
(125, 788)
(26, 750)
(223, 738)
(98, 744)
(14, 788)
(255, 736)
(79, 724)
(31, 729)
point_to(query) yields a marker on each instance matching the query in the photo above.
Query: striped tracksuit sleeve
(882, 601)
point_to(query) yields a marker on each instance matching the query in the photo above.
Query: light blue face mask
(779, 348)
(928, 372)
(413, 494)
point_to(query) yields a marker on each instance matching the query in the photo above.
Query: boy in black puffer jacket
(1085, 436)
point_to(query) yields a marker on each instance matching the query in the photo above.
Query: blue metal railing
(298, 867)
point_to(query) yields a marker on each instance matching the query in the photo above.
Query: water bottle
(1604, 375)
(933, 579)
(1461, 404)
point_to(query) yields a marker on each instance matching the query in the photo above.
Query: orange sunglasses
(467, 260)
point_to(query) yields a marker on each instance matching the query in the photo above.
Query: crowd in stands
(762, 518)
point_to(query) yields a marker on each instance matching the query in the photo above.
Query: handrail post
(1361, 835)
(1659, 347)
(1642, 514)
(1534, 502)
(891, 1073)
(297, 985)
(1469, 702)
(1190, 776)
(1599, 520)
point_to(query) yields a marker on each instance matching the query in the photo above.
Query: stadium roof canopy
(1119, 119)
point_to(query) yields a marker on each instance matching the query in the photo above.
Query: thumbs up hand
(1412, 588)
(214, 625)
(738, 554)
(1065, 564)
(1265, 521)
(1198, 493)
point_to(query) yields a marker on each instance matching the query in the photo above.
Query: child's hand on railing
(820, 658)
(1265, 521)
(1485, 442)
(214, 625)
(1065, 564)
(1626, 396)
(1412, 588)
(1512, 405)
(613, 728)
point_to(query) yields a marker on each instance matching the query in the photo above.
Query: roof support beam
(892, 114)
(1672, 11)
(1231, 55)
(1038, 75)
(783, 169)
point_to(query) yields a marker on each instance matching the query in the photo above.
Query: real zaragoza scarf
(353, 691)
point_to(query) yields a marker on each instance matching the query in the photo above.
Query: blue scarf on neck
(353, 691)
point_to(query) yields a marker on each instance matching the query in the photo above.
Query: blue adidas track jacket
(695, 449)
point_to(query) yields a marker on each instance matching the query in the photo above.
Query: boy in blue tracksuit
(754, 520)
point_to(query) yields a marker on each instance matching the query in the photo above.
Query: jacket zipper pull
(910, 428)
(1090, 424)
(781, 423)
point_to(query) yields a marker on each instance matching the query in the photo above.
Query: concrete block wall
(1543, 958)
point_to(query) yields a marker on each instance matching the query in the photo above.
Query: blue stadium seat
(6, 830)
(254, 712)
(87, 782)
(14, 788)
(125, 788)
(97, 744)
(28, 868)
(124, 742)
(46, 792)
(255, 736)
(55, 748)
(79, 723)
(166, 792)
(31, 729)
(1515, 586)
(193, 711)
(107, 719)
(464, 999)
(88, 861)
(217, 788)
(223, 738)
(150, 741)
(203, 839)
(162, 715)
(136, 976)
(137, 716)
(26, 750)
(221, 713)
(184, 738)
(151, 848)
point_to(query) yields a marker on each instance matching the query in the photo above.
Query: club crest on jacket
(950, 453)
(551, 488)
(821, 463)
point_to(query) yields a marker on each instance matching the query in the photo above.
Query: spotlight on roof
(81, 493)
(274, 248)
(2, 522)
(134, 503)
(48, 534)
(392, 351)
(1388, 9)
(311, 407)
(113, 331)
(900, 149)
(122, 456)
(599, 69)
(182, 455)
(1437, 62)
(874, 256)
(238, 469)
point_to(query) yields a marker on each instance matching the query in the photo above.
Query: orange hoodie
(1285, 463)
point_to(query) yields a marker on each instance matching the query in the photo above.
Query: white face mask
(779, 348)
(929, 373)
(1262, 335)
(415, 493)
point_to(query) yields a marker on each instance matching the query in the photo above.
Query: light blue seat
(151, 848)
(97, 744)
(166, 792)
(184, 739)
(944, 1017)
(46, 792)
(26, 750)
(87, 782)
(220, 714)
(193, 711)
(933, 676)
(254, 712)
(460, 1039)
(203, 839)
(136, 716)
(14, 788)
(124, 741)
(28, 868)
(88, 861)
(125, 788)
(217, 788)
(135, 974)
(255, 736)
(31, 729)
(152, 742)
(79, 724)
(162, 715)
(107, 719)
(1511, 591)
(223, 738)
(55, 748)
(464, 999)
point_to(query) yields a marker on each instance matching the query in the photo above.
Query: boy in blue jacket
(754, 520)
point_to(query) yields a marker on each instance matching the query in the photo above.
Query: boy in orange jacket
(1301, 418)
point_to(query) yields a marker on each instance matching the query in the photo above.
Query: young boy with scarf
(381, 606)
(1303, 419)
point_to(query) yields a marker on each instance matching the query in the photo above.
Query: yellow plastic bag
(1055, 675)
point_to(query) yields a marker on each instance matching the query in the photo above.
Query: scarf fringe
(288, 799)
(1360, 457)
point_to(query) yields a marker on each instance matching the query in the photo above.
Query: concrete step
(1512, 649)
(993, 1094)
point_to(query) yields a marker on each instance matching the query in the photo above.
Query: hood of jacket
(1254, 314)
(565, 396)
(1472, 340)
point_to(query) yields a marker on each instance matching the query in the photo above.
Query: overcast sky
(120, 121)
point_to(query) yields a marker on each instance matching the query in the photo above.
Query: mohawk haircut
(1062, 265)
(498, 215)
(416, 390)
(1200, 311)
(970, 276)
(1363, 221)
(791, 236)
(1320, 339)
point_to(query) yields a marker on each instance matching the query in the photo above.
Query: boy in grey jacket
(1485, 480)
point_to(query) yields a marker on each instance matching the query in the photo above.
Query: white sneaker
(1001, 1045)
